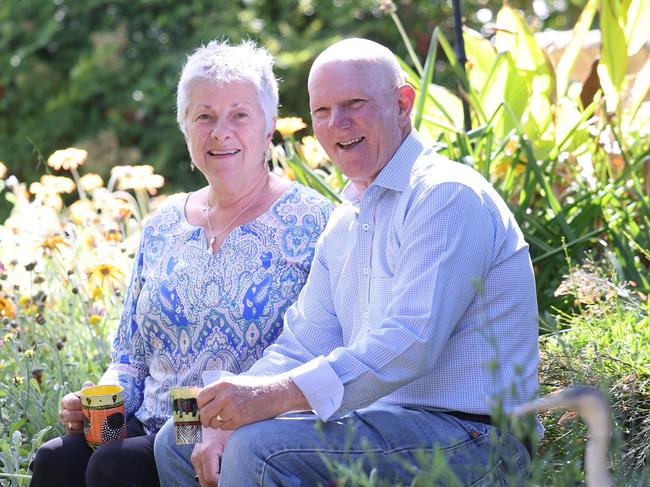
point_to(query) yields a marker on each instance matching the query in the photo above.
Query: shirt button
(365, 315)
(366, 271)
(365, 227)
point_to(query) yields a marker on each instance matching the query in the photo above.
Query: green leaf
(515, 36)
(459, 70)
(613, 61)
(425, 79)
(506, 86)
(481, 59)
(638, 93)
(570, 55)
(636, 27)
(532, 70)
(571, 129)
(442, 112)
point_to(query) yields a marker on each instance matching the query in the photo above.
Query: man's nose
(339, 118)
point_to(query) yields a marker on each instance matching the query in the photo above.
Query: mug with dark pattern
(104, 416)
(187, 422)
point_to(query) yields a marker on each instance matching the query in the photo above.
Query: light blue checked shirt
(421, 293)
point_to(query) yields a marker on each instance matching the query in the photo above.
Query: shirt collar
(396, 173)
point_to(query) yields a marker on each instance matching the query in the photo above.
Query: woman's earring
(192, 166)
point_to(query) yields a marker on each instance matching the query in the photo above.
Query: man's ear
(405, 101)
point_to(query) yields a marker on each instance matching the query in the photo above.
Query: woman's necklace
(213, 235)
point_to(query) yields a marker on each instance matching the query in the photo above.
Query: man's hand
(234, 401)
(206, 456)
(70, 413)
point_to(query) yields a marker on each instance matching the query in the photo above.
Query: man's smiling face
(357, 116)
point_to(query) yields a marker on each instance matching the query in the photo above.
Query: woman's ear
(269, 136)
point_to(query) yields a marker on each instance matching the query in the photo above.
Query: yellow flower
(18, 380)
(91, 181)
(512, 145)
(30, 310)
(121, 208)
(333, 181)
(81, 211)
(97, 293)
(104, 273)
(3, 170)
(313, 152)
(54, 243)
(289, 125)
(68, 159)
(94, 320)
(90, 241)
(29, 353)
(58, 184)
(48, 189)
(7, 307)
(24, 301)
(502, 167)
(48, 198)
(153, 182)
(137, 177)
(113, 235)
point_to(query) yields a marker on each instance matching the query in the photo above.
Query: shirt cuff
(320, 385)
(210, 376)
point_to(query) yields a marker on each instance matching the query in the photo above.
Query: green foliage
(574, 175)
(101, 74)
(606, 344)
(62, 278)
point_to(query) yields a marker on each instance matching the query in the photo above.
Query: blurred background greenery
(562, 136)
(101, 74)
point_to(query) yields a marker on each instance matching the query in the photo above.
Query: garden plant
(571, 158)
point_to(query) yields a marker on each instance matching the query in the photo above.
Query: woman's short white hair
(221, 62)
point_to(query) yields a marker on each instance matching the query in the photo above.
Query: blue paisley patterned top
(188, 310)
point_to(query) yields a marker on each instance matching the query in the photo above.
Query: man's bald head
(366, 52)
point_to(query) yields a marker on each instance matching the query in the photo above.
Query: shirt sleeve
(128, 366)
(311, 331)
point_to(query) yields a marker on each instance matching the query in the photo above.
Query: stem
(77, 180)
(143, 201)
(407, 43)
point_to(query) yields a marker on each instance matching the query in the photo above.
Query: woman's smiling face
(225, 130)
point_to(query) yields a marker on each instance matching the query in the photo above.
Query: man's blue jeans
(397, 443)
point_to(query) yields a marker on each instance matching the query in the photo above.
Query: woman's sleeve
(128, 366)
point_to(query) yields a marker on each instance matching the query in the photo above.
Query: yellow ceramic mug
(104, 417)
(187, 422)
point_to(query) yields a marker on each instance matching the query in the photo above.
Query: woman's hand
(70, 413)
(206, 456)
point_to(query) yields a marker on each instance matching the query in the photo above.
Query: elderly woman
(215, 271)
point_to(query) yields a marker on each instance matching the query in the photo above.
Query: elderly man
(418, 319)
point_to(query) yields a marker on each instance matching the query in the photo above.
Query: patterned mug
(104, 417)
(187, 422)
